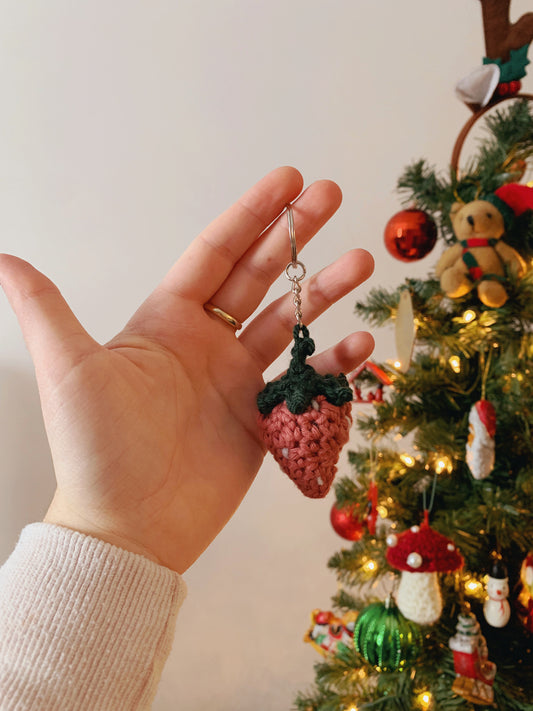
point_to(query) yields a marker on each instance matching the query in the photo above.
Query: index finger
(206, 263)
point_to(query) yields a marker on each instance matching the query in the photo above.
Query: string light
(443, 464)
(424, 700)
(407, 459)
(473, 587)
(370, 566)
(397, 364)
(455, 363)
(440, 466)
(382, 511)
(353, 707)
(469, 315)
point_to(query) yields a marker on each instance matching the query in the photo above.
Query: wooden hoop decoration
(472, 120)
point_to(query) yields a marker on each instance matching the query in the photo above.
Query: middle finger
(254, 273)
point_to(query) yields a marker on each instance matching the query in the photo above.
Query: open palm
(153, 436)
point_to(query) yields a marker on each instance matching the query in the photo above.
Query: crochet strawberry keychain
(305, 417)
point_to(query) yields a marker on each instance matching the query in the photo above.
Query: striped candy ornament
(305, 419)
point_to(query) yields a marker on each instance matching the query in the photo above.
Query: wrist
(60, 515)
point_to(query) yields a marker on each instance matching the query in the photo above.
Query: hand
(153, 436)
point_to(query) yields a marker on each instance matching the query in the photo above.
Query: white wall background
(125, 127)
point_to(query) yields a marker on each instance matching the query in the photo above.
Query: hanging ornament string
(429, 507)
(305, 417)
(372, 493)
(485, 373)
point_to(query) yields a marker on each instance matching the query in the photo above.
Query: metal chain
(297, 301)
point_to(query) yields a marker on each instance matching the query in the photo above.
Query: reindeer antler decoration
(506, 46)
(501, 36)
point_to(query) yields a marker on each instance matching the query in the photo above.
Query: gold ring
(227, 318)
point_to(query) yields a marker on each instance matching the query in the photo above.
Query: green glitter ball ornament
(385, 638)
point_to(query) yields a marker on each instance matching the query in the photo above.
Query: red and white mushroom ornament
(421, 553)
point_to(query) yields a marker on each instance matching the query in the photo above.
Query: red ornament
(410, 235)
(346, 522)
(380, 379)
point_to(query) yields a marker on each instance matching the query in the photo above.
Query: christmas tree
(435, 602)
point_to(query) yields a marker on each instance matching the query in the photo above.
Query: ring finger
(254, 273)
(271, 330)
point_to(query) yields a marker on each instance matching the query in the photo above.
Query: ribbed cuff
(83, 624)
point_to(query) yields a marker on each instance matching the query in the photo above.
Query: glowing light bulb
(353, 707)
(455, 363)
(424, 700)
(397, 364)
(440, 466)
(443, 464)
(407, 459)
(382, 511)
(369, 566)
(469, 315)
(473, 587)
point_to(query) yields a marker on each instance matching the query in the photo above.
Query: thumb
(54, 336)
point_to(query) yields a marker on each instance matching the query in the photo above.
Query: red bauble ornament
(346, 522)
(410, 235)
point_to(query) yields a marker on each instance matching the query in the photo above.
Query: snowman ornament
(496, 609)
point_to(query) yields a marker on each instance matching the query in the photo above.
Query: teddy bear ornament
(481, 258)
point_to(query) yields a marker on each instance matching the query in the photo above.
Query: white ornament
(405, 331)
(496, 609)
(480, 445)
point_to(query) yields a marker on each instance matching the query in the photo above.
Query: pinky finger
(344, 356)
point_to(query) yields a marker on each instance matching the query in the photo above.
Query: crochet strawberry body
(305, 420)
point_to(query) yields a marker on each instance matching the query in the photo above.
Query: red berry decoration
(305, 419)
(347, 522)
(509, 88)
(410, 235)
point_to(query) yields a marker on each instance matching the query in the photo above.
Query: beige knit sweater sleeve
(84, 626)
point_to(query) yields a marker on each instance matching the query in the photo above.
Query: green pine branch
(457, 361)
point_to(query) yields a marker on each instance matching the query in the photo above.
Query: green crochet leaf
(301, 383)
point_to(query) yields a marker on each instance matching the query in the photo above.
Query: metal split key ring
(295, 270)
